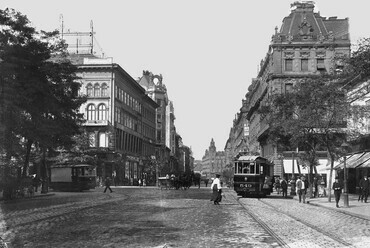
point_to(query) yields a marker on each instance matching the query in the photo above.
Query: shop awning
(366, 161)
(288, 169)
(321, 168)
(356, 160)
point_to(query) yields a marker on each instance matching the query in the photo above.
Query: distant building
(238, 137)
(213, 161)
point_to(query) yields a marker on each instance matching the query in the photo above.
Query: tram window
(240, 165)
(261, 169)
(257, 169)
(246, 168)
(252, 167)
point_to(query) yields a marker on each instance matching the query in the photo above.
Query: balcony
(96, 123)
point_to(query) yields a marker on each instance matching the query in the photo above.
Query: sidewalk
(358, 208)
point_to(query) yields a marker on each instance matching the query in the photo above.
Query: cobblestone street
(148, 217)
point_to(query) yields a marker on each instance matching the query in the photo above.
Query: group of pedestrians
(281, 186)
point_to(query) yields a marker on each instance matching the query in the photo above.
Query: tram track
(19, 220)
(320, 230)
(280, 237)
(263, 224)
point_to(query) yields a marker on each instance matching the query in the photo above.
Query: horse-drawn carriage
(176, 182)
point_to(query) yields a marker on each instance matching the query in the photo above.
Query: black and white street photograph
(184, 124)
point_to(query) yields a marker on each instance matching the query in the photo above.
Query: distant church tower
(213, 161)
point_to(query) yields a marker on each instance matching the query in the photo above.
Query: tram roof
(249, 157)
(70, 165)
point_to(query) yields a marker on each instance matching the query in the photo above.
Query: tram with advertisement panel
(75, 177)
(253, 176)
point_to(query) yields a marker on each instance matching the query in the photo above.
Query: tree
(39, 88)
(312, 117)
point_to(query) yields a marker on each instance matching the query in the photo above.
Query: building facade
(304, 46)
(120, 120)
(238, 137)
(213, 161)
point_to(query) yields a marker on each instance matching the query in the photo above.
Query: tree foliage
(39, 88)
(318, 113)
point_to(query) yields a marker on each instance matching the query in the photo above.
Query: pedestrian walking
(108, 183)
(206, 181)
(144, 182)
(337, 187)
(284, 187)
(364, 188)
(277, 185)
(216, 190)
(301, 189)
(316, 187)
(139, 182)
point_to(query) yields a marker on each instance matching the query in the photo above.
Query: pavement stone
(170, 218)
(358, 208)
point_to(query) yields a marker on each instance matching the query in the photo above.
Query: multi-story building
(305, 46)
(238, 136)
(213, 161)
(120, 120)
(165, 117)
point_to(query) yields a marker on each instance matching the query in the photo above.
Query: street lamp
(345, 148)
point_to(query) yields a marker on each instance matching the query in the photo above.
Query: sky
(207, 51)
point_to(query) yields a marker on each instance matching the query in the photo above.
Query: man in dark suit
(364, 187)
(337, 187)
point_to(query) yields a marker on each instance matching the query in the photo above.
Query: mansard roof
(303, 24)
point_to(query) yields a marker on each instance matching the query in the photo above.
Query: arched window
(104, 90)
(89, 90)
(91, 115)
(96, 90)
(102, 112)
(103, 140)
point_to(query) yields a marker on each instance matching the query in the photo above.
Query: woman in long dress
(216, 190)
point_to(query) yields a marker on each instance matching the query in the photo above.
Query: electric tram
(253, 176)
(76, 177)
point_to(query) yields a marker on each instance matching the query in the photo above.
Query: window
(104, 90)
(91, 112)
(89, 90)
(96, 90)
(304, 64)
(288, 87)
(288, 65)
(103, 140)
(92, 140)
(320, 64)
(102, 112)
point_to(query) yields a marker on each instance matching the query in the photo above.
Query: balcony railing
(96, 123)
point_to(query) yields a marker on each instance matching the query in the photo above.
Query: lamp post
(345, 147)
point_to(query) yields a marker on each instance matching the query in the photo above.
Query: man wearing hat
(364, 187)
(216, 190)
(337, 187)
(301, 187)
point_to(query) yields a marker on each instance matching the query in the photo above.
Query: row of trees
(315, 115)
(39, 99)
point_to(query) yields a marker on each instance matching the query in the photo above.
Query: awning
(321, 168)
(355, 160)
(366, 161)
(288, 167)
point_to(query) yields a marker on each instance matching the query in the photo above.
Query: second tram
(253, 176)
(72, 177)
